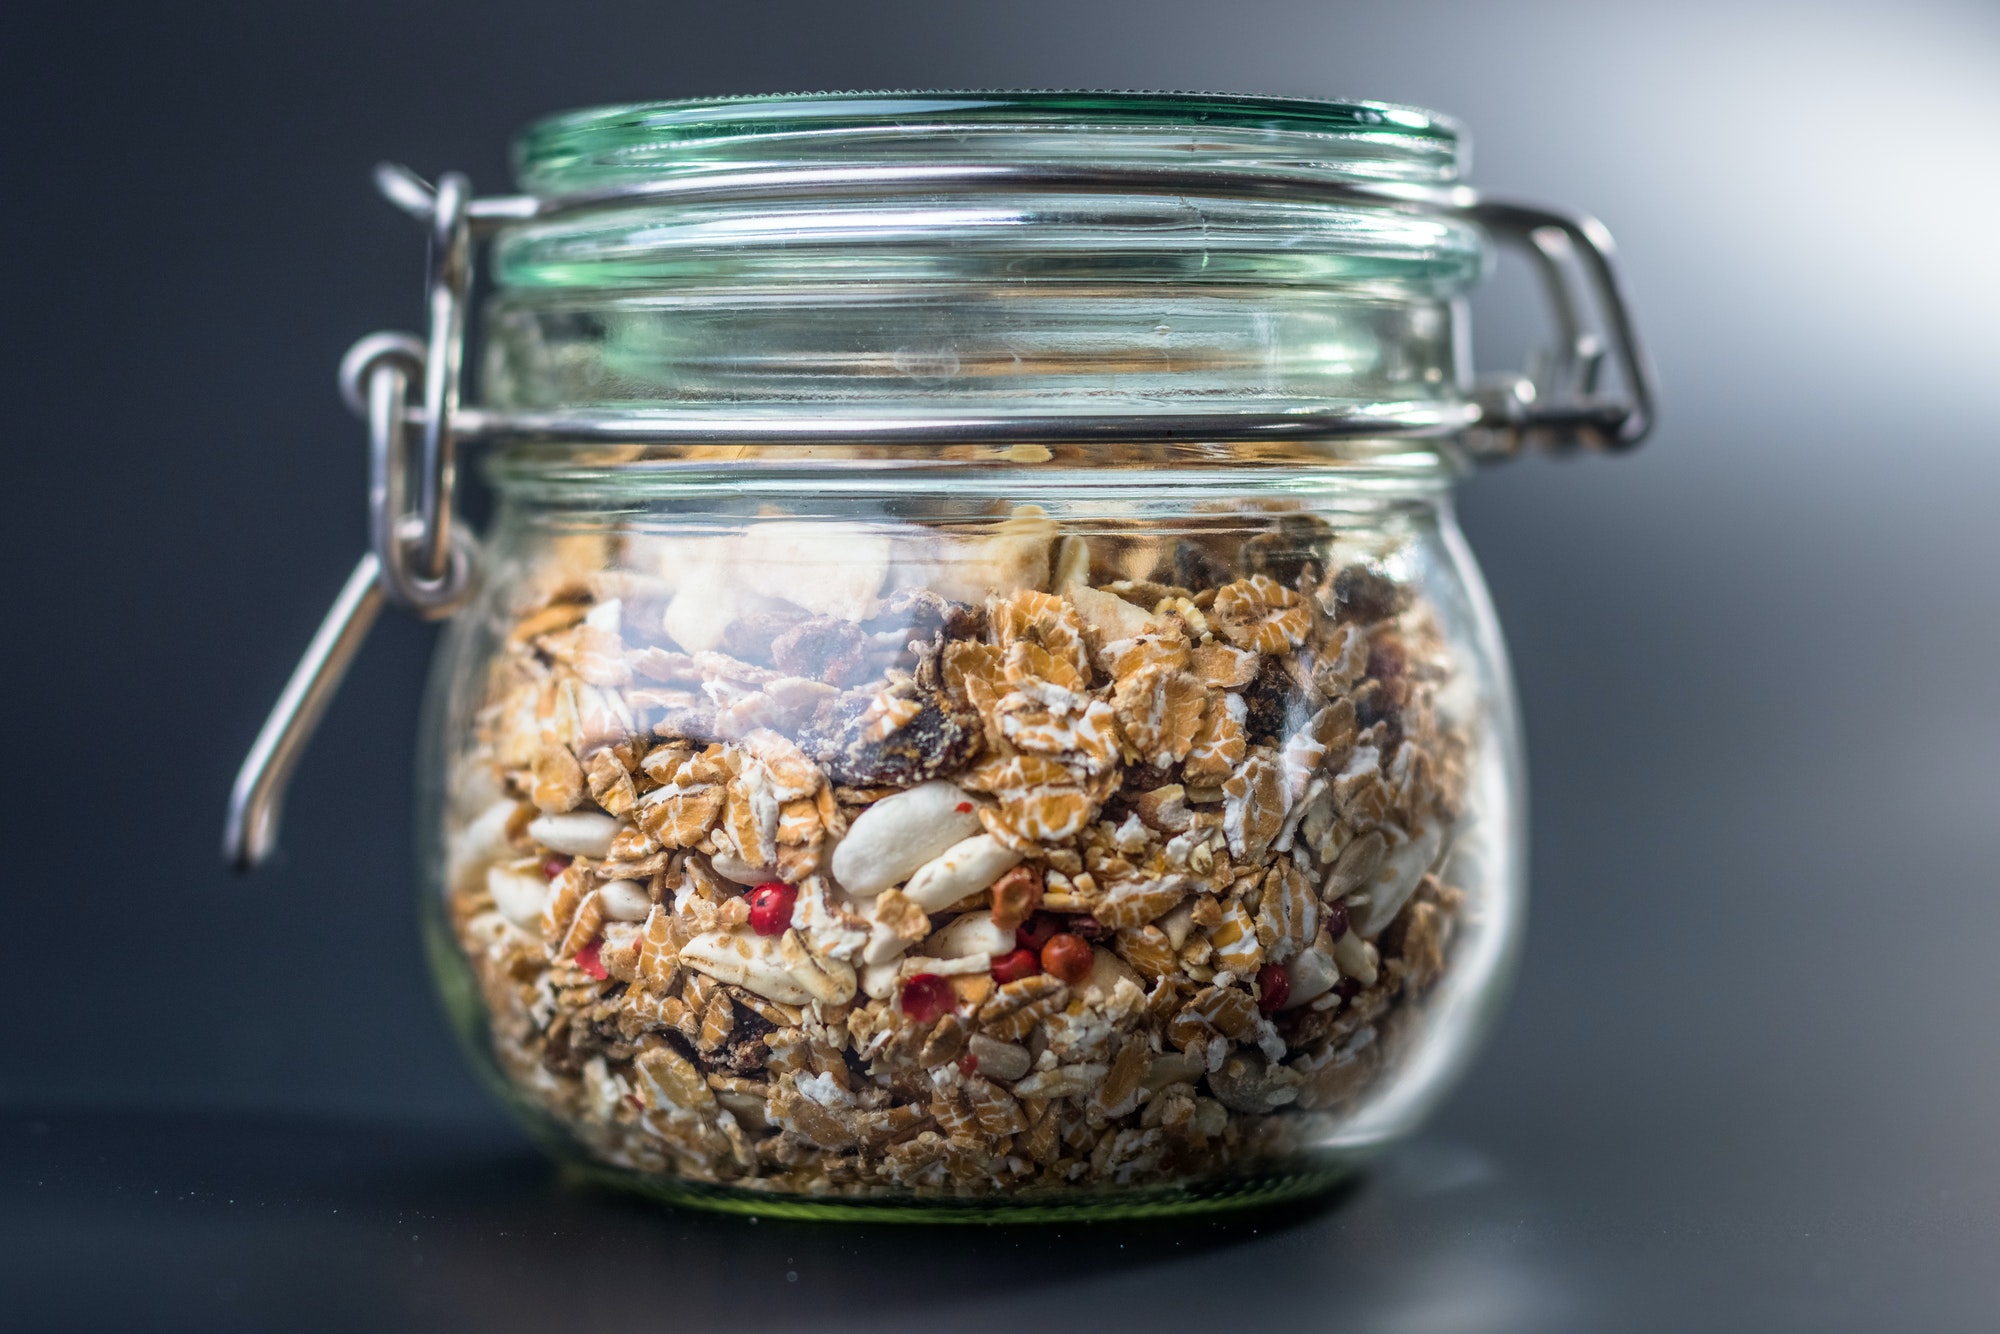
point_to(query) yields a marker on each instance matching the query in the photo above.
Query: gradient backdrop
(1760, 660)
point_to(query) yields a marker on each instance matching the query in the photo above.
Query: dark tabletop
(123, 1220)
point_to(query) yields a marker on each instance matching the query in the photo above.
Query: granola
(814, 861)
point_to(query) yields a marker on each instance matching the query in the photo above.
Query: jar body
(841, 835)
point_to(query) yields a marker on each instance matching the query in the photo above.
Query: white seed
(1311, 973)
(878, 980)
(964, 868)
(747, 959)
(483, 840)
(625, 901)
(898, 834)
(519, 892)
(827, 980)
(731, 867)
(997, 1059)
(1356, 957)
(1397, 879)
(1178, 923)
(577, 834)
(972, 934)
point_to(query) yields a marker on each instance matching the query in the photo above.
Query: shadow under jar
(976, 703)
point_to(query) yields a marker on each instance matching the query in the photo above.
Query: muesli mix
(819, 859)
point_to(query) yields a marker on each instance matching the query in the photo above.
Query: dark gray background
(1749, 1076)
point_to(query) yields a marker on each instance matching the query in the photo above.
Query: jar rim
(598, 147)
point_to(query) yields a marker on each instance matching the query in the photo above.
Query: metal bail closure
(418, 559)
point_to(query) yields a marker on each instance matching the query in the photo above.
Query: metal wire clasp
(417, 559)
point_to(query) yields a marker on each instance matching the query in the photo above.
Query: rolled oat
(1023, 830)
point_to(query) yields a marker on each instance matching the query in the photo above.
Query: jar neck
(752, 479)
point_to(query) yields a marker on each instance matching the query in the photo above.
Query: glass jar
(973, 702)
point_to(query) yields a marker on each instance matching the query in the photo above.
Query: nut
(963, 869)
(898, 834)
(576, 834)
(624, 901)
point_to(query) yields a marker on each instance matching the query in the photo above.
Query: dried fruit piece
(1274, 988)
(1015, 965)
(1016, 895)
(1365, 595)
(771, 907)
(1036, 931)
(1068, 957)
(925, 997)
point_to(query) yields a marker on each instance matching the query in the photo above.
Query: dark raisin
(1195, 567)
(1381, 702)
(1088, 927)
(1289, 551)
(750, 638)
(1336, 919)
(924, 614)
(1139, 779)
(695, 722)
(1363, 595)
(823, 649)
(1387, 660)
(1275, 707)
(941, 739)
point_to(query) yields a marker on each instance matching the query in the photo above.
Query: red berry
(1014, 966)
(554, 866)
(1035, 932)
(927, 996)
(968, 1064)
(1068, 957)
(1336, 919)
(586, 959)
(964, 808)
(771, 907)
(1274, 988)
